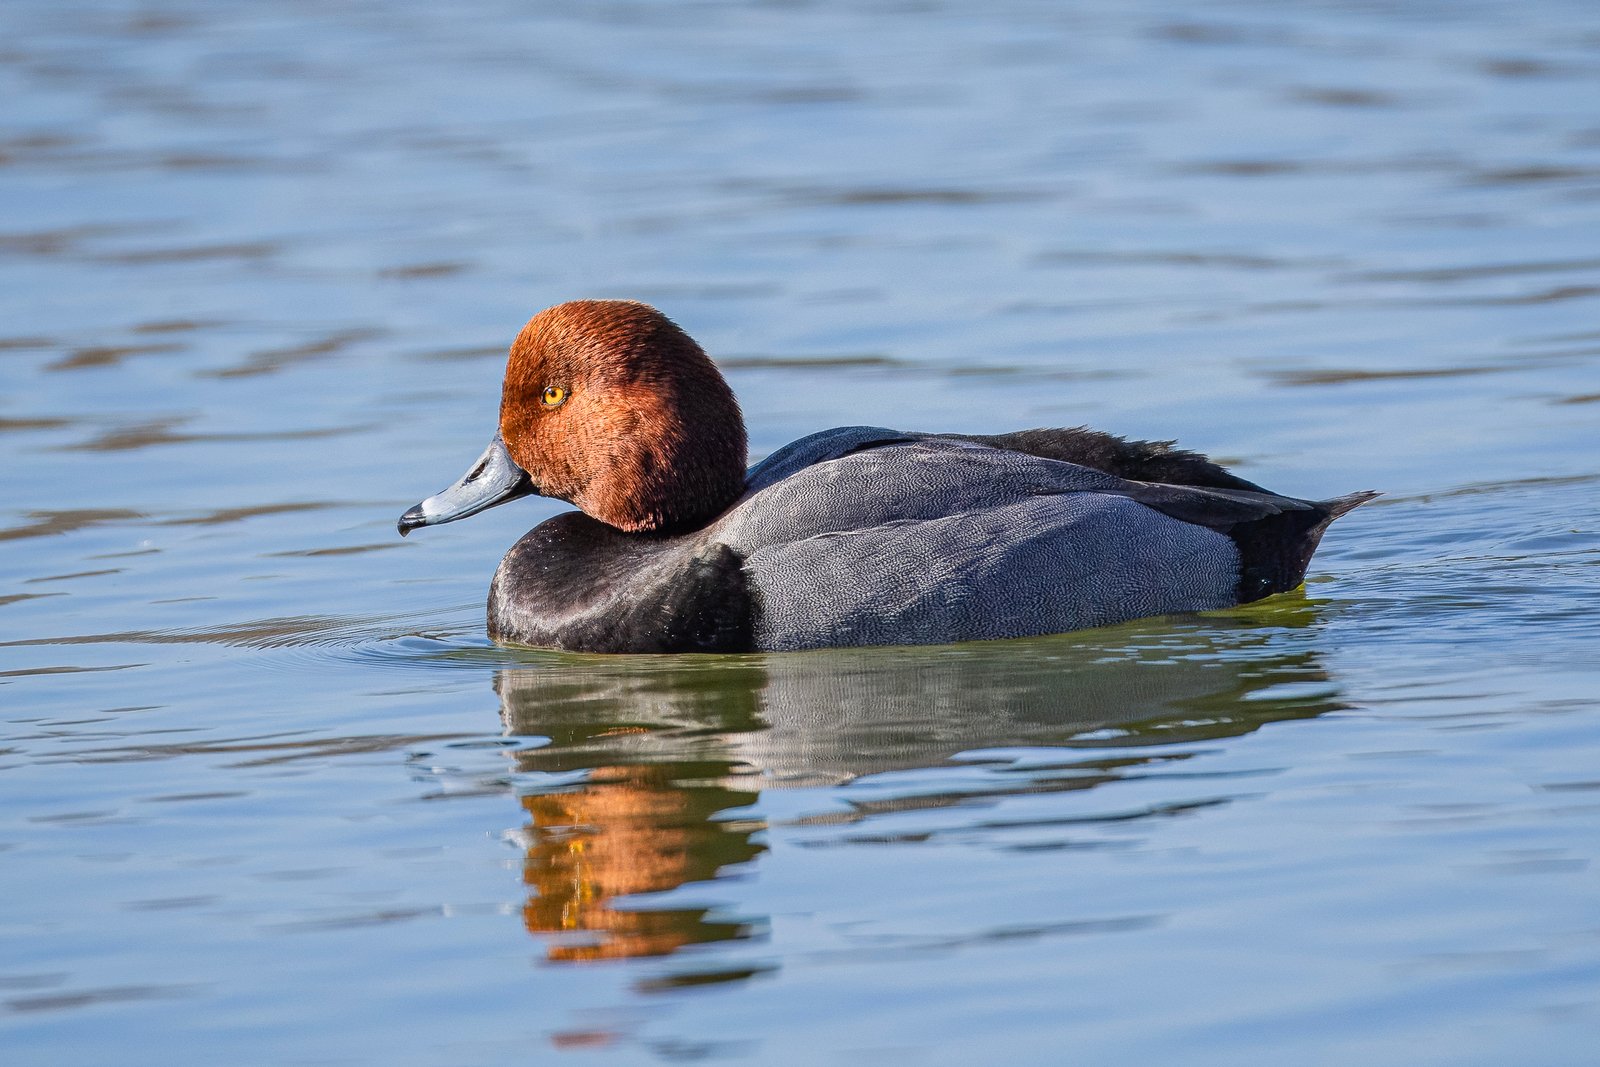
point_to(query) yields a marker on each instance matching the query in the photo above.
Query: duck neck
(671, 482)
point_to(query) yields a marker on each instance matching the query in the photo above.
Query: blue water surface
(272, 797)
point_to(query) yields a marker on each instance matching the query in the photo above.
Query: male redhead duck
(852, 536)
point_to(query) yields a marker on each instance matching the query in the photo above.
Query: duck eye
(553, 396)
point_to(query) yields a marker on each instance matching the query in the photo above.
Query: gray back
(931, 541)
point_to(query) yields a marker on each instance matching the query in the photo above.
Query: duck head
(607, 404)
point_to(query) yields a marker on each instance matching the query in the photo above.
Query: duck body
(868, 536)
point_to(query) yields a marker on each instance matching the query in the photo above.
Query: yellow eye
(553, 396)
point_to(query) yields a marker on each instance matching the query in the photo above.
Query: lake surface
(271, 797)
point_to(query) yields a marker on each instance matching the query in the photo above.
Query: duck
(853, 536)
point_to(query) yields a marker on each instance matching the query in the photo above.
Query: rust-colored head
(610, 405)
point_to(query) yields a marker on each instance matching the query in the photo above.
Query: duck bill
(494, 479)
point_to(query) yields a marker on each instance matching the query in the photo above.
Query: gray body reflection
(671, 747)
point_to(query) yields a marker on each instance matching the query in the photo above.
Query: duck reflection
(641, 821)
(673, 747)
(629, 830)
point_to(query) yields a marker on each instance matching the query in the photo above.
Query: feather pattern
(867, 536)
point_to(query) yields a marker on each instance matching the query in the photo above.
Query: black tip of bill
(411, 520)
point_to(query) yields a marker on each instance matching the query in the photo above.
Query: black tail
(1275, 551)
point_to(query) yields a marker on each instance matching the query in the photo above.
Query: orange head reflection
(630, 830)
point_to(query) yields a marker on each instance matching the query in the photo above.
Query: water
(271, 797)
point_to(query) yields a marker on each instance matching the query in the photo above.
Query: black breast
(575, 583)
